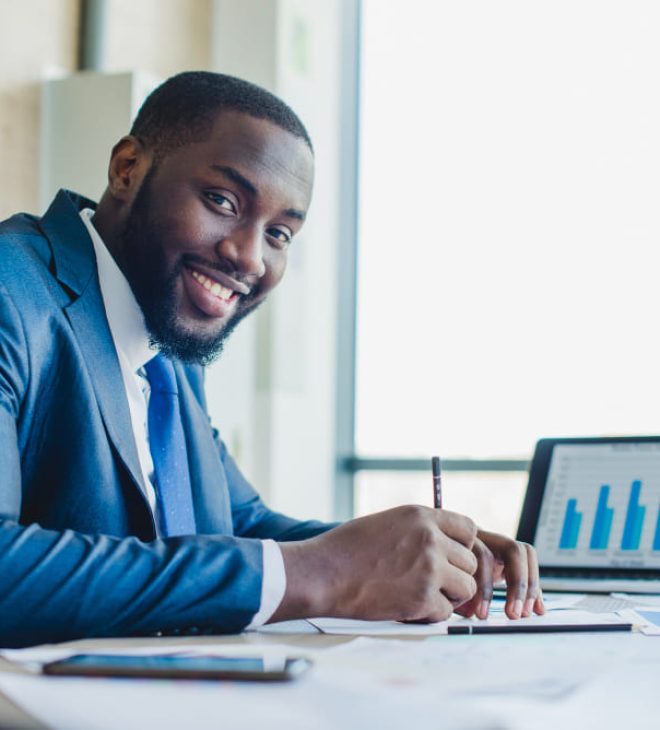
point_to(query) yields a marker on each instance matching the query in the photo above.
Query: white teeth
(216, 289)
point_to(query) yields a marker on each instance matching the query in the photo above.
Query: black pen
(437, 482)
(535, 628)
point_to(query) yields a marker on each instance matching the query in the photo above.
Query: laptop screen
(600, 507)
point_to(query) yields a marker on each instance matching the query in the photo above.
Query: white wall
(38, 38)
(272, 394)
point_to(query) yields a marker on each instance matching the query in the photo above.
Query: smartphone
(180, 667)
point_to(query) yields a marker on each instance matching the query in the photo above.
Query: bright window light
(509, 237)
(509, 228)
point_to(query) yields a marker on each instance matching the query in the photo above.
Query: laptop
(592, 510)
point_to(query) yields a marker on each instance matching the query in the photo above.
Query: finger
(442, 609)
(533, 583)
(458, 527)
(516, 574)
(480, 602)
(483, 578)
(457, 585)
(460, 557)
(539, 606)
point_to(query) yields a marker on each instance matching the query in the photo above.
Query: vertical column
(656, 539)
(632, 529)
(571, 527)
(600, 534)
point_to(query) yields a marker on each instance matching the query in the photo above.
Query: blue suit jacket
(78, 549)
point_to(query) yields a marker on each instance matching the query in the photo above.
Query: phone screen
(172, 666)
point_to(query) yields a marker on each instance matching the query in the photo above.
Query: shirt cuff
(273, 584)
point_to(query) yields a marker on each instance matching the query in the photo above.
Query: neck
(108, 221)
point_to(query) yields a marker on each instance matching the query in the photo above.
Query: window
(509, 240)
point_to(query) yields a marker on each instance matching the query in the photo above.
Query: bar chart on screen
(602, 504)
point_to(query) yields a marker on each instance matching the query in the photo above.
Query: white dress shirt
(133, 351)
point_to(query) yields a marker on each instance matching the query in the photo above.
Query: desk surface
(519, 682)
(13, 717)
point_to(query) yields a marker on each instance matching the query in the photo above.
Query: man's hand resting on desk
(406, 564)
(501, 558)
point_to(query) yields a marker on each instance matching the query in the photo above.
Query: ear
(129, 163)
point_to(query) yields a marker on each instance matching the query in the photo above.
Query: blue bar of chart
(571, 527)
(656, 539)
(600, 535)
(632, 529)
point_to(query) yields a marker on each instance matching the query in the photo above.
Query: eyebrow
(251, 188)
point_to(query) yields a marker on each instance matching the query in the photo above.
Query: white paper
(350, 627)
(648, 620)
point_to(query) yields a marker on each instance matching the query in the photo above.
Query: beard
(155, 288)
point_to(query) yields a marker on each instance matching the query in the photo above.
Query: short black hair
(183, 108)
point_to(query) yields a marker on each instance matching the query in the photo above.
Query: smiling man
(121, 511)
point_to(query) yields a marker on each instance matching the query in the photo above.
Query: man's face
(207, 235)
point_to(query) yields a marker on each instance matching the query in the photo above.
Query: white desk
(521, 682)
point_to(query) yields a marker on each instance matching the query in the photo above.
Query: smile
(210, 297)
(215, 288)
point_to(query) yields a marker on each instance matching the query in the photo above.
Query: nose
(244, 248)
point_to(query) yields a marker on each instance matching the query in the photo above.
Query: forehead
(276, 161)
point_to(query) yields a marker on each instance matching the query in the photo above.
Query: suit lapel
(87, 318)
(75, 267)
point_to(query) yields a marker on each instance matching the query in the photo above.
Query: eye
(282, 236)
(221, 201)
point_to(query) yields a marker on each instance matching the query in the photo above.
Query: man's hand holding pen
(409, 563)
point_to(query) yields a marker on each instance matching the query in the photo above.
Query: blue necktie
(168, 450)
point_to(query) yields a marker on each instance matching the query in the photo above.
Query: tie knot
(160, 373)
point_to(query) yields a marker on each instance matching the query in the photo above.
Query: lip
(203, 300)
(221, 278)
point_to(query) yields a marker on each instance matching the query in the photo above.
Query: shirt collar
(125, 317)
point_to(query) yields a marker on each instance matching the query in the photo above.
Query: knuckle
(472, 563)
(531, 553)
(520, 550)
(429, 546)
(415, 512)
(428, 557)
(466, 588)
(485, 553)
(471, 528)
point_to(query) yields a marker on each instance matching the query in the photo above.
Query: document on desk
(566, 620)
(648, 620)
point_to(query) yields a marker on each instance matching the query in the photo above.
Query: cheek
(275, 268)
(187, 225)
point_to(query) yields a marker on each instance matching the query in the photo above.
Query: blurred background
(480, 264)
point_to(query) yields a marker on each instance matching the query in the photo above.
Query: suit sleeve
(57, 586)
